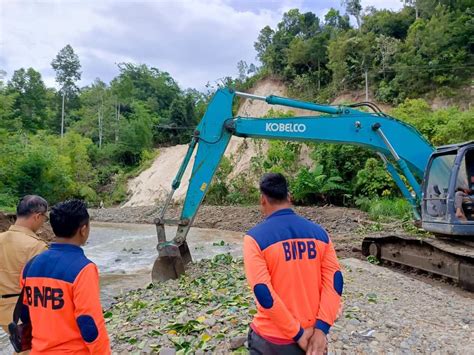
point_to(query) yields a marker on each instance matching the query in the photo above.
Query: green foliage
(343, 161)
(44, 164)
(224, 191)
(384, 209)
(313, 186)
(393, 24)
(373, 180)
(282, 157)
(435, 53)
(444, 126)
(426, 47)
(67, 67)
(373, 260)
(7, 202)
(243, 192)
(218, 190)
(119, 191)
(404, 54)
(135, 135)
(29, 106)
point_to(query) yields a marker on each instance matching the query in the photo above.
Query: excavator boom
(392, 139)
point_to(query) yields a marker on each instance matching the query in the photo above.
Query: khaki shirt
(17, 246)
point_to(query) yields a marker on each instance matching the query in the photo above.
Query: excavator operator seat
(449, 170)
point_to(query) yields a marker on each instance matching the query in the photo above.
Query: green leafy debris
(202, 310)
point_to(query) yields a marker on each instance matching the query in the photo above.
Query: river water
(124, 254)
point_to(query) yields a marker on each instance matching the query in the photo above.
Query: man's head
(70, 220)
(274, 193)
(31, 212)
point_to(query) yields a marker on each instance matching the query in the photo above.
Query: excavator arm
(340, 124)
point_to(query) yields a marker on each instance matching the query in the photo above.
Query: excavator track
(448, 257)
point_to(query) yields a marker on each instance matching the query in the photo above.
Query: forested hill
(424, 48)
(87, 141)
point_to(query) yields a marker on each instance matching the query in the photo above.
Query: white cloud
(31, 33)
(194, 40)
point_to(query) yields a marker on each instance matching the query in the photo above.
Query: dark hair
(67, 217)
(274, 187)
(30, 204)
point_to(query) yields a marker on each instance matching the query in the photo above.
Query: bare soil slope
(153, 184)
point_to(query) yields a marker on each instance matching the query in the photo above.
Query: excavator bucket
(172, 258)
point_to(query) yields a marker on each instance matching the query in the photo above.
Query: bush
(374, 180)
(312, 186)
(218, 191)
(217, 194)
(89, 195)
(45, 165)
(119, 191)
(382, 209)
(8, 202)
(243, 192)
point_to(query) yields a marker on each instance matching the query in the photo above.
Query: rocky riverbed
(209, 309)
(347, 226)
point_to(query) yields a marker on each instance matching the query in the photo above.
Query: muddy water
(124, 254)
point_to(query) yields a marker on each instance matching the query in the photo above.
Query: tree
(136, 135)
(334, 21)
(178, 116)
(67, 67)
(309, 56)
(387, 47)
(3, 74)
(264, 41)
(373, 180)
(388, 23)
(30, 104)
(435, 53)
(242, 68)
(155, 88)
(414, 4)
(98, 114)
(354, 8)
(7, 102)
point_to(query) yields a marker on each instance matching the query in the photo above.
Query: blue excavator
(429, 178)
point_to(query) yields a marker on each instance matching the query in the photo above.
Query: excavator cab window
(469, 163)
(437, 186)
(465, 183)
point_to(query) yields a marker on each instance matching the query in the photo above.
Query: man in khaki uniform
(18, 245)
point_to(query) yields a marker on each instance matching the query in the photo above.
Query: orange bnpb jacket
(292, 268)
(63, 303)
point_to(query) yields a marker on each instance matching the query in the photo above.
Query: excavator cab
(450, 171)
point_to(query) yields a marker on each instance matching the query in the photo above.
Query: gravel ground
(208, 312)
(388, 312)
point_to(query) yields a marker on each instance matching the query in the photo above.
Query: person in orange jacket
(292, 269)
(61, 290)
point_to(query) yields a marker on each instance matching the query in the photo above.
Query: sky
(196, 41)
